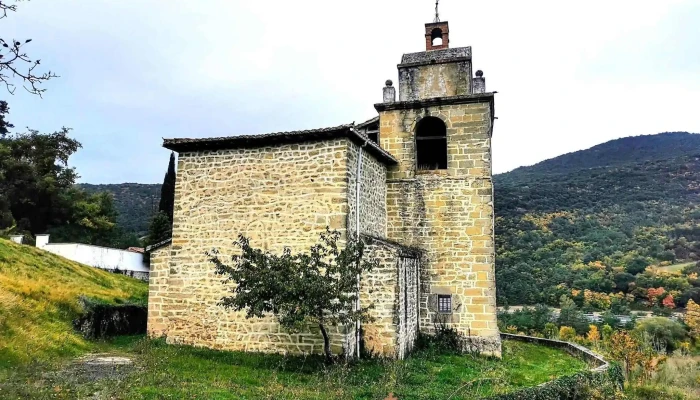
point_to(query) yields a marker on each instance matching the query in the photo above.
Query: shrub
(607, 332)
(567, 333)
(445, 340)
(664, 333)
(550, 330)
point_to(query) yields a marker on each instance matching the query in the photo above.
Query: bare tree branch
(15, 64)
(4, 8)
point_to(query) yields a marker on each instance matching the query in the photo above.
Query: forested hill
(135, 202)
(625, 151)
(593, 221)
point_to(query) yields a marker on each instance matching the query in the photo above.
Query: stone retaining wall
(597, 361)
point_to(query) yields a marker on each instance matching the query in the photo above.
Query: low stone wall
(132, 274)
(592, 358)
(107, 320)
(601, 381)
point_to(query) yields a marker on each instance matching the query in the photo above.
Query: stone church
(414, 182)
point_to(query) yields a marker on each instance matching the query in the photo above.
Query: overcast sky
(570, 75)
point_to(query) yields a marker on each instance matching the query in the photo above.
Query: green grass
(39, 298)
(177, 372)
(38, 350)
(676, 268)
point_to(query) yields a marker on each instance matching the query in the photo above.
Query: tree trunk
(326, 344)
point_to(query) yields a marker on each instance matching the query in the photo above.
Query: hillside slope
(39, 298)
(595, 219)
(135, 202)
(624, 151)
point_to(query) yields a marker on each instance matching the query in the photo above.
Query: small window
(431, 144)
(444, 303)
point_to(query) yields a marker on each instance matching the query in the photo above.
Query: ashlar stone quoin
(414, 182)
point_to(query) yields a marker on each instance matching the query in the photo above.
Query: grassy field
(39, 298)
(42, 357)
(676, 268)
(161, 371)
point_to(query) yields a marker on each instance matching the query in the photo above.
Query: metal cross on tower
(437, 13)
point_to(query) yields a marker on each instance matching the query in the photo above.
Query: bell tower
(440, 195)
(437, 36)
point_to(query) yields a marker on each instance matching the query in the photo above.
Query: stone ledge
(441, 56)
(437, 101)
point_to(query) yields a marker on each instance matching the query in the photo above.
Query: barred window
(444, 303)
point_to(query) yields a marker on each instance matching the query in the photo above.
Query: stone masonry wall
(278, 196)
(449, 214)
(372, 194)
(384, 290)
(437, 80)
(158, 291)
(408, 303)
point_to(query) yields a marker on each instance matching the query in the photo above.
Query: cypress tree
(160, 229)
(167, 191)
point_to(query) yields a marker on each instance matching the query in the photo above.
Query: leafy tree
(34, 175)
(4, 124)
(626, 349)
(637, 265)
(567, 333)
(664, 333)
(527, 319)
(160, 228)
(688, 295)
(318, 287)
(692, 319)
(15, 64)
(607, 332)
(571, 316)
(89, 218)
(623, 281)
(593, 334)
(668, 302)
(167, 191)
(38, 193)
(609, 318)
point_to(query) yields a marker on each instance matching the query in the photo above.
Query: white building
(127, 262)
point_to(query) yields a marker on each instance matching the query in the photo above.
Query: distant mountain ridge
(617, 152)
